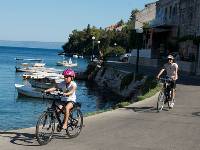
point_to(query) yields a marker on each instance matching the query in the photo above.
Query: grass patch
(118, 105)
(97, 112)
(122, 104)
(150, 93)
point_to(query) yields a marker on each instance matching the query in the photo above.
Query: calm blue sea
(21, 112)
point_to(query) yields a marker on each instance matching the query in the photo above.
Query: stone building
(189, 26)
(114, 27)
(147, 15)
(164, 29)
(189, 32)
(176, 29)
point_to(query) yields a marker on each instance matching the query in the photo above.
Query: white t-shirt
(66, 88)
(171, 69)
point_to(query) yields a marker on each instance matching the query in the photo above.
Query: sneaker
(172, 105)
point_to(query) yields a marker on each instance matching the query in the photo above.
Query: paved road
(137, 127)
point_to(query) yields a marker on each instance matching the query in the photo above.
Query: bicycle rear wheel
(75, 123)
(161, 101)
(45, 128)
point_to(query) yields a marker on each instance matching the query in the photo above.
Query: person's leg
(68, 107)
(173, 93)
(173, 87)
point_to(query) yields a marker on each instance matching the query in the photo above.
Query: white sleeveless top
(66, 88)
(171, 69)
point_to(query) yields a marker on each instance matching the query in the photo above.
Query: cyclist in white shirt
(68, 86)
(172, 71)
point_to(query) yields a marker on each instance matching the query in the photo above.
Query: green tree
(133, 14)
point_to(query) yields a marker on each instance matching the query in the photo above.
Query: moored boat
(46, 81)
(28, 65)
(66, 63)
(25, 90)
(75, 56)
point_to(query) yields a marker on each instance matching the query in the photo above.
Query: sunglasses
(66, 76)
(170, 59)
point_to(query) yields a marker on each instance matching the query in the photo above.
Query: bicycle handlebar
(56, 93)
(166, 79)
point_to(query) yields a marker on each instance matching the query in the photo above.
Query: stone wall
(189, 17)
(146, 15)
(120, 82)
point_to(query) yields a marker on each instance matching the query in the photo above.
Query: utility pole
(138, 32)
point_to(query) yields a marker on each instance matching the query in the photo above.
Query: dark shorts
(63, 103)
(173, 84)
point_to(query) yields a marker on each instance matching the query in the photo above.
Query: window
(174, 10)
(165, 13)
(170, 12)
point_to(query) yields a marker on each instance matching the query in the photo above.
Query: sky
(54, 20)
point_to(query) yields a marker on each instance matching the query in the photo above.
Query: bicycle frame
(167, 89)
(55, 109)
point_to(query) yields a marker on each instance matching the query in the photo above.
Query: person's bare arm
(159, 74)
(50, 90)
(176, 73)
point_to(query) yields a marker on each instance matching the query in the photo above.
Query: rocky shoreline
(123, 83)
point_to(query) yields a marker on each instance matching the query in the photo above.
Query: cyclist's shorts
(59, 102)
(173, 84)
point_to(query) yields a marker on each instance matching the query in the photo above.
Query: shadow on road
(196, 114)
(27, 139)
(17, 138)
(142, 109)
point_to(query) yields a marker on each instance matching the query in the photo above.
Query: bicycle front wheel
(161, 101)
(75, 123)
(45, 128)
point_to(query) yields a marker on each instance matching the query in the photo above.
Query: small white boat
(39, 65)
(25, 90)
(28, 65)
(66, 63)
(81, 56)
(26, 76)
(45, 80)
(75, 56)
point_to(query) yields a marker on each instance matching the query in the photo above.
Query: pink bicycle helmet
(69, 72)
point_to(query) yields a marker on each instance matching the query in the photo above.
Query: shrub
(126, 80)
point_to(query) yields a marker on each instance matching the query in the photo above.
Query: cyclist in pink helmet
(69, 72)
(68, 86)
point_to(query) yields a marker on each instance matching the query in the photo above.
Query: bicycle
(46, 123)
(165, 95)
